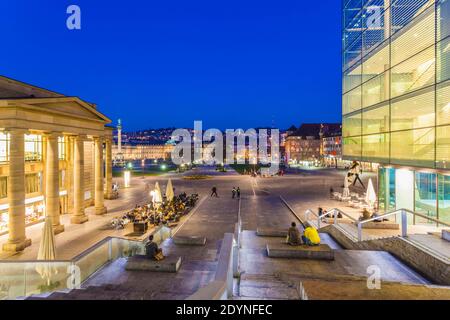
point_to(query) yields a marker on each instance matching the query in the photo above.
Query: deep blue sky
(230, 63)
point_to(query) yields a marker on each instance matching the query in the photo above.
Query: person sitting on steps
(152, 251)
(294, 235)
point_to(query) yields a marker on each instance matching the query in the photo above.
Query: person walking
(238, 192)
(233, 192)
(214, 192)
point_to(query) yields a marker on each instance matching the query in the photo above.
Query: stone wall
(429, 265)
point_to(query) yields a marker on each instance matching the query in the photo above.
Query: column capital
(79, 137)
(17, 130)
(52, 134)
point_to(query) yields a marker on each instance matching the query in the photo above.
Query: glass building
(396, 99)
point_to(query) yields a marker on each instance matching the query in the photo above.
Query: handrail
(360, 223)
(404, 220)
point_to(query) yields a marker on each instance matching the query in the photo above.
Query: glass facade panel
(414, 73)
(413, 111)
(444, 197)
(352, 54)
(352, 125)
(443, 60)
(376, 90)
(352, 147)
(443, 147)
(425, 196)
(443, 103)
(376, 120)
(352, 101)
(386, 198)
(375, 147)
(352, 78)
(376, 63)
(404, 11)
(413, 147)
(443, 19)
(419, 36)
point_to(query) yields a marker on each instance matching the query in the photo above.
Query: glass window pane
(375, 147)
(413, 111)
(351, 101)
(351, 125)
(376, 63)
(415, 38)
(403, 11)
(376, 120)
(443, 65)
(425, 196)
(415, 73)
(443, 18)
(413, 147)
(352, 78)
(351, 147)
(443, 103)
(444, 197)
(352, 55)
(443, 147)
(376, 90)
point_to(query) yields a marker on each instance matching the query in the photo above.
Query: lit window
(4, 147)
(33, 147)
(61, 148)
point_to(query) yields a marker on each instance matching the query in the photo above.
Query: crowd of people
(157, 214)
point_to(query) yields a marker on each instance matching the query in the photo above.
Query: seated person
(294, 235)
(311, 237)
(152, 251)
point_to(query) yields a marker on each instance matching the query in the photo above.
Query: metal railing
(403, 220)
(22, 278)
(335, 212)
(403, 213)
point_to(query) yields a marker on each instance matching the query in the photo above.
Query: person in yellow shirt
(311, 237)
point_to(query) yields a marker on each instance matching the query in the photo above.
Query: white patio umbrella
(158, 194)
(47, 251)
(371, 196)
(169, 191)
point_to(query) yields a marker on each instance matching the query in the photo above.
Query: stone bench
(267, 232)
(143, 263)
(190, 241)
(381, 225)
(446, 234)
(320, 252)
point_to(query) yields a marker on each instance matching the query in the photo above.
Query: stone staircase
(106, 292)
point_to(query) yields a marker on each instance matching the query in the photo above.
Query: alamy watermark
(73, 21)
(239, 146)
(374, 278)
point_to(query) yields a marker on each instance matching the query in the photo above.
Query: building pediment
(72, 107)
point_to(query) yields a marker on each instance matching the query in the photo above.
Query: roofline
(30, 85)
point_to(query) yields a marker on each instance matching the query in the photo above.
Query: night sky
(233, 63)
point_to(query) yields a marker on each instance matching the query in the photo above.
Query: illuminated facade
(55, 158)
(396, 99)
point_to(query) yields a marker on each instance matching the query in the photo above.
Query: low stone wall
(221, 287)
(431, 266)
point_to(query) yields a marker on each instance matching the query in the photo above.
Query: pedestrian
(238, 192)
(233, 192)
(214, 192)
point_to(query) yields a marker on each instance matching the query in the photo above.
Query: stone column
(78, 215)
(17, 240)
(108, 169)
(52, 205)
(98, 172)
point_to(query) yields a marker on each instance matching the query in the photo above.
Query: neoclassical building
(55, 159)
